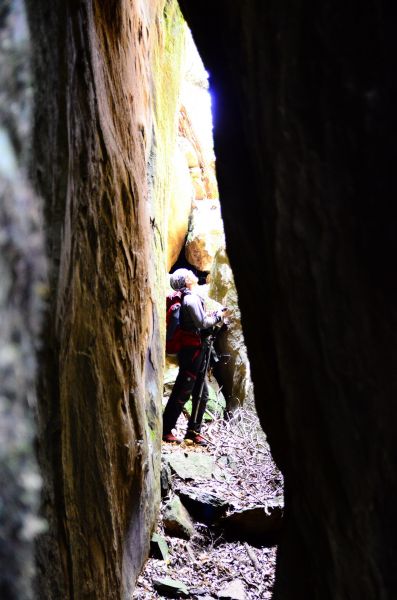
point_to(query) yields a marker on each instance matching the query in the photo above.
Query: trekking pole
(206, 363)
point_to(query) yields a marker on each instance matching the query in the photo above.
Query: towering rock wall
(305, 95)
(106, 79)
(194, 168)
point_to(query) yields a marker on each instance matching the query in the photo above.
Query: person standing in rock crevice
(193, 320)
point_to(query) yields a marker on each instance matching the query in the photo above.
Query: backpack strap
(183, 295)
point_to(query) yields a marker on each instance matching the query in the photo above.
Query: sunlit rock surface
(196, 105)
(180, 204)
(189, 151)
(205, 235)
(235, 374)
(196, 100)
(106, 122)
(194, 178)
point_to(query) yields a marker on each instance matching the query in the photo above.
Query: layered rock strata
(194, 177)
(107, 79)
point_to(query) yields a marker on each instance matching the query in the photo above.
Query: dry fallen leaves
(247, 477)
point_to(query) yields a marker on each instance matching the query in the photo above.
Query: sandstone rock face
(304, 114)
(177, 521)
(180, 205)
(196, 121)
(194, 176)
(305, 107)
(196, 101)
(206, 234)
(235, 375)
(189, 152)
(107, 88)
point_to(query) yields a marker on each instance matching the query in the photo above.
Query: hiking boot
(170, 438)
(196, 438)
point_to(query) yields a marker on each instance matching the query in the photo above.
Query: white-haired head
(182, 278)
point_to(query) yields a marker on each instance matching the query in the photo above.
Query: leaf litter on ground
(246, 477)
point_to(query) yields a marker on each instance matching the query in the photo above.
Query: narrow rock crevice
(304, 109)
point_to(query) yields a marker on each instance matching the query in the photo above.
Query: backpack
(176, 337)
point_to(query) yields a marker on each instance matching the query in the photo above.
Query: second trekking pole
(206, 361)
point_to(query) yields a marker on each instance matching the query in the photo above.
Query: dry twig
(246, 476)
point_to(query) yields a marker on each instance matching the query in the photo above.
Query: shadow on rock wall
(305, 101)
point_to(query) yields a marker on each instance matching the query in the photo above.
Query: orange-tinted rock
(199, 186)
(205, 234)
(107, 94)
(179, 207)
(189, 152)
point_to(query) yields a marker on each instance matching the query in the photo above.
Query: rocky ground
(224, 545)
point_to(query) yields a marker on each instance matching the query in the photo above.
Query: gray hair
(181, 277)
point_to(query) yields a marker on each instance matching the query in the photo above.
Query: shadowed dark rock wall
(305, 97)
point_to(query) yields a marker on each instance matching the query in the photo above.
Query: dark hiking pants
(188, 383)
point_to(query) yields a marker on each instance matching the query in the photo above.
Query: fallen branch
(252, 557)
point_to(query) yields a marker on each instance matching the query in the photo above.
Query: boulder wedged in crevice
(205, 235)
